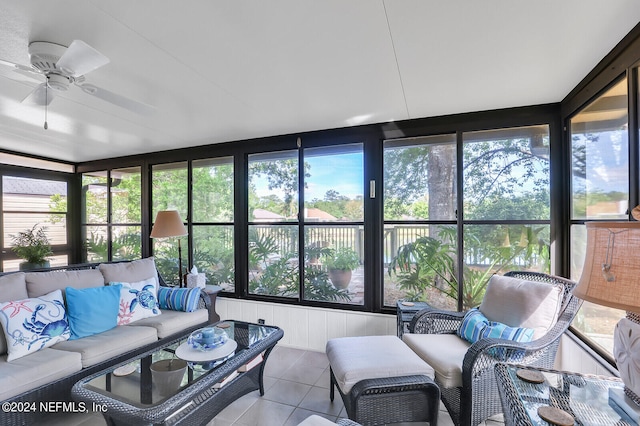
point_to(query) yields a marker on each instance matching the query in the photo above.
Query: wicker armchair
(478, 398)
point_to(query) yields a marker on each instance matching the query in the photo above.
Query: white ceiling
(218, 71)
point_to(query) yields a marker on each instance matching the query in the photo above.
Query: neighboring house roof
(25, 186)
(261, 214)
(313, 213)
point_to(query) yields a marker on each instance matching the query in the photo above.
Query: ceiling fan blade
(40, 95)
(80, 59)
(30, 73)
(23, 70)
(119, 100)
(7, 63)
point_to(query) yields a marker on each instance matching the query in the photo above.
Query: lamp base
(628, 410)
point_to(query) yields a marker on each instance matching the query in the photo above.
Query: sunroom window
(34, 204)
(599, 191)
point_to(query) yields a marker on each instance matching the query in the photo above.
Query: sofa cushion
(443, 352)
(521, 303)
(476, 326)
(36, 369)
(33, 324)
(12, 287)
(354, 359)
(137, 270)
(39, 283)
(106, 345)
(92, 310)
(137, 301)
(179, 299)
(171, 322)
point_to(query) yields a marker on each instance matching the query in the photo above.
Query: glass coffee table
(205, 387)
(585, 398)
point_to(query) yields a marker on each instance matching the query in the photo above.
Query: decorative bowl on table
(207, 339)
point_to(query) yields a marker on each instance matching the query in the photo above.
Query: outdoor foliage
(339, 206)
(213, 201)
(32, 244)
(277, 275)
(343, 258)
(281, 175)
(430, 262)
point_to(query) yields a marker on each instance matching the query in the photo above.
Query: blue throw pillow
(92, 310)
(472, 325)
(476, 326)
(178, 299)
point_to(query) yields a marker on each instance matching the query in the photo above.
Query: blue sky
(339, 172)
(342, 173)
(608, 163)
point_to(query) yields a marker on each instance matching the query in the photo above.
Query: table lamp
(611, 277)
(168, 224)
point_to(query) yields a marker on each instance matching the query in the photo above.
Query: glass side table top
(127, 388)
(584, 397)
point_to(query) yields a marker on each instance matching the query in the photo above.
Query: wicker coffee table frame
(391, 400)
(515, 413)
(198, 402)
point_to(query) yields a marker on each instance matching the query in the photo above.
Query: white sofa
(49, 373)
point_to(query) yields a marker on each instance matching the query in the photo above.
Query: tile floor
(296, 386)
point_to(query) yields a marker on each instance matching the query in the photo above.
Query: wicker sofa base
(391, 400)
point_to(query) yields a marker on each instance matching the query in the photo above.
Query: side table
(212, 291)
(584, 397)
(405, 313)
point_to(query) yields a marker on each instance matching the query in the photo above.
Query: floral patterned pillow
(137, 301)
(33, 324)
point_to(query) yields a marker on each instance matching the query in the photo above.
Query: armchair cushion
(443, 352)
(521, 303)
(476, 326)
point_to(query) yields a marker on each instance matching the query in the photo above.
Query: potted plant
(33, 246)
(339, 264)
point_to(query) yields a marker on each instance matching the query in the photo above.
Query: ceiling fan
(62, 66)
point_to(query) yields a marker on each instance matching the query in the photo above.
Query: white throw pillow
(521, 303)
(137, 301)
(33, 324)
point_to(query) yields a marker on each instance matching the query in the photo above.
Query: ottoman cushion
(354, 359)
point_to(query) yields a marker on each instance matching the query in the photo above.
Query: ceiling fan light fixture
(58, 82)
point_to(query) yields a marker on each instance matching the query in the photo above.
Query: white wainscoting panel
(573, 357)
(307, 327)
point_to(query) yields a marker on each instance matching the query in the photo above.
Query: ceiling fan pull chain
(46, 102)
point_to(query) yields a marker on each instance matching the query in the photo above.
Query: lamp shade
(611, 272)
(168, 223)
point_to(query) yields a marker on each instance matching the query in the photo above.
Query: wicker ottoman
(382, 381)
